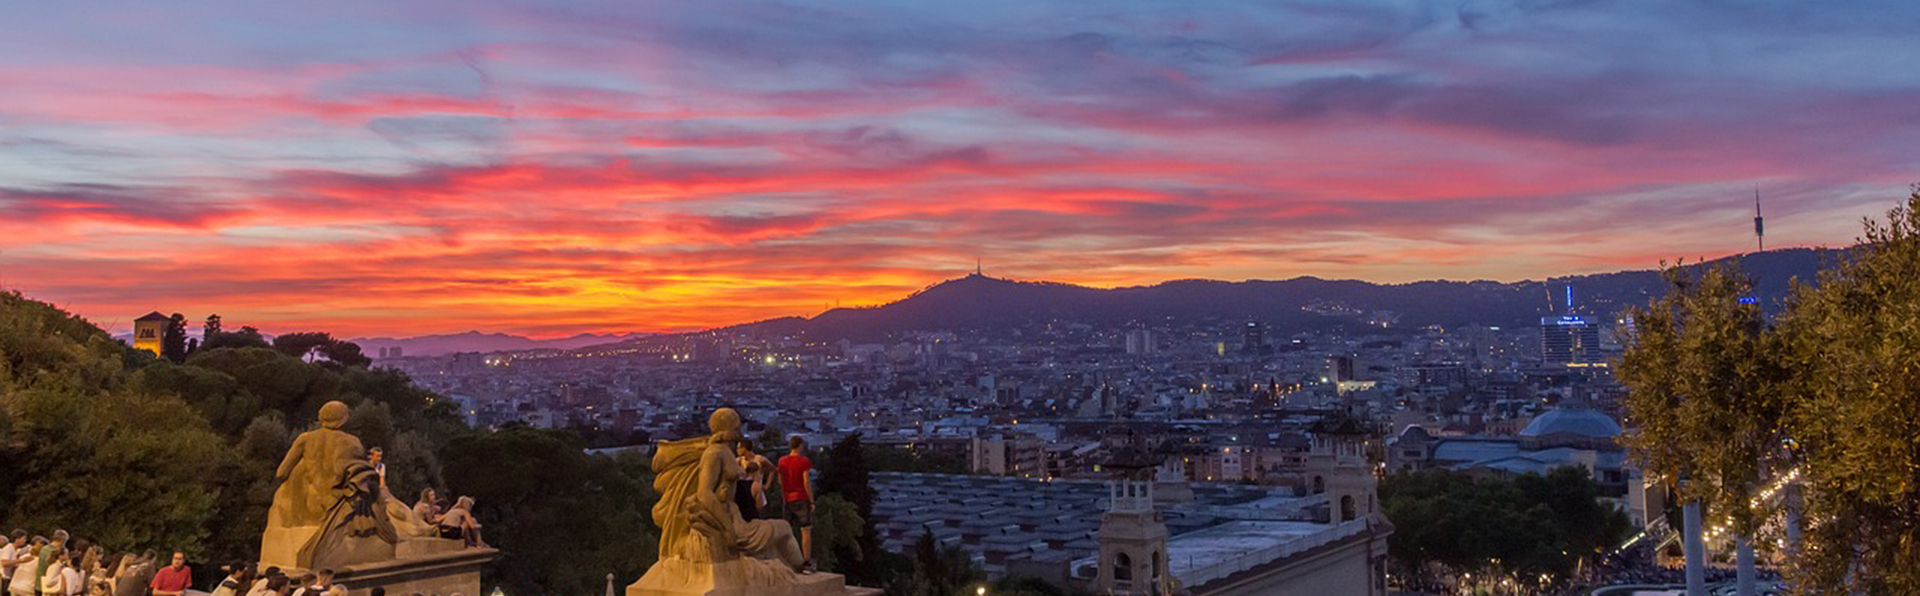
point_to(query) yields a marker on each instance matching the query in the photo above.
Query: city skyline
(373, 169)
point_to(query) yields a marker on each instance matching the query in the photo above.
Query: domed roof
(1580, 421)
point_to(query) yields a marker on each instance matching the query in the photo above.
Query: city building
(1573, 435)
(1142, 341)
(1340, 369)
(1254, 338)
(1570, 340)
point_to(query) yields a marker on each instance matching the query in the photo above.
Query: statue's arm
(710, 511)
(293, 458)
(710, 476)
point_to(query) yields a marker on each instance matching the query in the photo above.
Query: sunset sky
(382, 168)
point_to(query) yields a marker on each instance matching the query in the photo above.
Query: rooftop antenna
(1759, 223)
(978, 270)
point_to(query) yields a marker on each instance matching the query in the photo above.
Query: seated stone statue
(311, 468)
(705, 544)
(308, 476)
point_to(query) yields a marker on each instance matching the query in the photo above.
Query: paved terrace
(995, 518)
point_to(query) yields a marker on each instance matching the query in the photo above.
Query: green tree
(246, 337)
(1526, 525)
(565, 518)
(843, 472)
(371, 421)
(83, 451)
(1853, 344)
(173, 342)
(938, 570)
(210, 328)
(217, 396)
(1704, 398)
(344, 353)
(279, 382)
(302, 343)
(837, 528)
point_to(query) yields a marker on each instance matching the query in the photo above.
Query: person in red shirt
(173, 579)
(798, 488)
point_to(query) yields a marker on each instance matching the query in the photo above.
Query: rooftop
(1575, 421)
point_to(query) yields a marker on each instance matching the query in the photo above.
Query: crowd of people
(63, 566)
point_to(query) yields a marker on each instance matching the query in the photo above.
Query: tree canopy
(1853, 344)
(1525, 526)
(1716, 395)
(563, 518)
(1703, 393)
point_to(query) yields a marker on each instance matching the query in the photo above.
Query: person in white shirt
(23, 581)
(72, 575)
(236, 580)
(320, 582)
(260, 586)
(9, 556)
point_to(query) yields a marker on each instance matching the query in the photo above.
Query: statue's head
(726, 425)
(333, 415)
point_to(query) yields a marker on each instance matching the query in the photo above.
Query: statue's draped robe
(676, 472)
(353, 524)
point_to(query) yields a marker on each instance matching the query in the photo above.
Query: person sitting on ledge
(460, 523)
(425, 509)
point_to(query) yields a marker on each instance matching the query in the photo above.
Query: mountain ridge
(1300, 303)
(477, 341)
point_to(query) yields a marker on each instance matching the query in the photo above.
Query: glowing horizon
(544, 170)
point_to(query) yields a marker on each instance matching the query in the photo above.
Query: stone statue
(706, 547)
(311, 469)
(332, 510)
(317, 495)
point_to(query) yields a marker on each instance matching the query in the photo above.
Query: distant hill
(474, 341)
(1298, 304)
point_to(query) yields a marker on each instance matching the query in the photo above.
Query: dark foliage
(1527, 525)
(562, 518)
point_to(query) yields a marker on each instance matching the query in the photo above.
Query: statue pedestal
(428, 568)
(280, 546)
(739, 577)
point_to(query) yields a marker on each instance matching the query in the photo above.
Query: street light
(980, 591)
